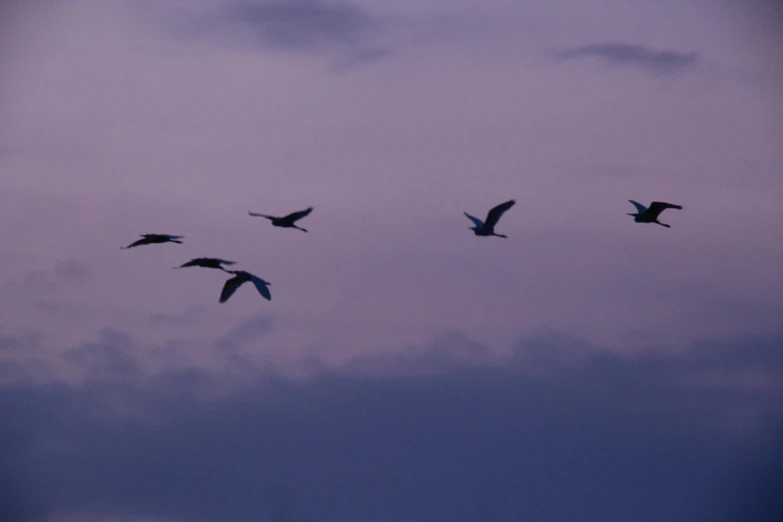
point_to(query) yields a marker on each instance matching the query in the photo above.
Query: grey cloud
(65, 271)
(52, 308)
(110, 357)
(361, 57)
(341, 29)
(72, 270)
(188, 317)
(634, 55)
(248, 331)
(301, 23)
(609, 438)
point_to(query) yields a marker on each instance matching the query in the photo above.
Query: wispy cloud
(342, 29)
(633, 55)
(300, 24)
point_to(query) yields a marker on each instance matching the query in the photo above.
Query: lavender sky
(586, 368)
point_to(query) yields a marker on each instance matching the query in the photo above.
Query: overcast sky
(586, 368)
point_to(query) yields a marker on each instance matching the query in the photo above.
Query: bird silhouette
(650, 214)
(150, 239)
(241, 277)
(286, 221)
(487, 227)
(208, 262)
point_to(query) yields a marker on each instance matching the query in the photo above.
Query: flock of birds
(483, 228)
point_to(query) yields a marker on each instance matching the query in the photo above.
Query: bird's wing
(224, 262)
(137, 243)
(230, 287)
(656, 207)
(296, 216)
(261, 286)
(476, 221)
(641, 209)
(256, 214)
(494, 215)
(167, 236)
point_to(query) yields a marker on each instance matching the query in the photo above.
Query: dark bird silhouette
(286, 221)
(150, 239)
(208, 262)
(241, 277)
(650, 215)
(487, 227)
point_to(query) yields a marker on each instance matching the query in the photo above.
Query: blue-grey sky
(586, 368)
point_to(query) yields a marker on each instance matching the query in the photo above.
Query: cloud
(311, 26)
(110, 357)
(72, 270)
(633, 55)
(362, 57)
(189, 317)
(64, 272)
(297, 24)
(538, 435)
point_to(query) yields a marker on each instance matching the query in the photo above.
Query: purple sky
(585, 368)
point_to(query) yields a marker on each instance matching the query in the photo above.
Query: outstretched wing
(296, 216)
(494, 215)
(256, 214)
(230, 287)
(138, 242)
(476, 221)
(640, 209)
(261, 286)
(162, 236)
(656, 207)
(224, 262)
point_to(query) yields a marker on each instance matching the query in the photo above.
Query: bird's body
(650, 214)
(208, 262)
(150, 239)
(241, 277)
(487, 227)
(288, 221)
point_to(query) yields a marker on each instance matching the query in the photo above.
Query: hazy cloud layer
(634, 55)
(535, 436)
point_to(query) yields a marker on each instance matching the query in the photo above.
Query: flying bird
(208, 262)
(286, 221)
(241, 277)
(650, 215)
(149, 239)
(487, 227)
